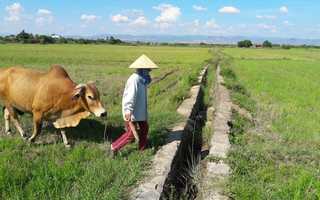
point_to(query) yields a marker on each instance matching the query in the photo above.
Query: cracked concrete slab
(220, 144)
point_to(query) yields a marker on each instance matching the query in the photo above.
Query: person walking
(134, 105)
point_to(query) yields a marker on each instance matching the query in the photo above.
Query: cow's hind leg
(65, 140)
(14, 118)
(7, 122)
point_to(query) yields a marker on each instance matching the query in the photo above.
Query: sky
(270, 18)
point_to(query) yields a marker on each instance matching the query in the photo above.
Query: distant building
(55, 36)
(257, 45)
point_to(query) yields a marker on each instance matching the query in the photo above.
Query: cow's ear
(77, 96)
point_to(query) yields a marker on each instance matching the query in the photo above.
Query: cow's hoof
(30, 139)
(68, 146)
(9, 133)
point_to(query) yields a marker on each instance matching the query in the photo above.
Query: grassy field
(277, 157)
(46, 169)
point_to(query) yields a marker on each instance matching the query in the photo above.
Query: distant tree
(241, 44)
(203, 44)
(303, 46)
(62, 40)
(245, 43)
(286, 46)
(46, 39)
(23, 36)
(267, 44)
(101, 41)
(111, 40)
(114, 41)
(9, 38)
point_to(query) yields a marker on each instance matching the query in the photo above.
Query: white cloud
(138, 12)
(45, 17)
(287, 23)
(242, 26)
(42, 20)
(211, 24)
(12, 18)
(44, 12)
(169, 13)
(119, 18)
(199, 8)
(267, 16)
(14, 11)
(196, 22)
(263, 26)
(271, 28)
(190, 24)
(283, 9)
(189, 27)
(141, 21)
(89, 17)
(229, 10)
(164, 26)
(271, 16)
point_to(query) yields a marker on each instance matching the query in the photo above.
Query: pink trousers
(128, 136)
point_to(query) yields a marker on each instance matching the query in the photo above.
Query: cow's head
(91, 98)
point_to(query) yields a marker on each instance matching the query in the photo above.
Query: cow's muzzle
(103, 114)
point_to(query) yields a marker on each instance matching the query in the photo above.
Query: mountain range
(196, 39)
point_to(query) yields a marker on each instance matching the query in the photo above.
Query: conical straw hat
(143, 62)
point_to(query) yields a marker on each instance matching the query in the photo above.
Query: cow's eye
(90, 97)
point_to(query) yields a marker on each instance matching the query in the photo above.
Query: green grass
(46, 169)
(277, 157)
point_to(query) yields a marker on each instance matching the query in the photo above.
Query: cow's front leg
(37, 126)
(14, 118)
(65, 139)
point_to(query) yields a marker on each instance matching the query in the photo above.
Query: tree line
(268, 44)
(29, 38)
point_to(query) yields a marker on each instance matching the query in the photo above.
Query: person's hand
(127, 117)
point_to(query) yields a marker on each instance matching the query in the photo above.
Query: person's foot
(112, 152)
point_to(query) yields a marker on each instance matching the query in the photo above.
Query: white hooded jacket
(134, 100)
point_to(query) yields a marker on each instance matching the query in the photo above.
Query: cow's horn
(82, 86)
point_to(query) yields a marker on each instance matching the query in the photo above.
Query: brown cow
(50, 96)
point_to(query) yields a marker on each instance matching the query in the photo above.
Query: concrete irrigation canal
(166, 167)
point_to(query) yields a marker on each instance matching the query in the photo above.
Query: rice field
(46, 169)
(278, 156)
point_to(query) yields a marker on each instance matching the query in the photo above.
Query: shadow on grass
(93, 130)
(89, 130)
